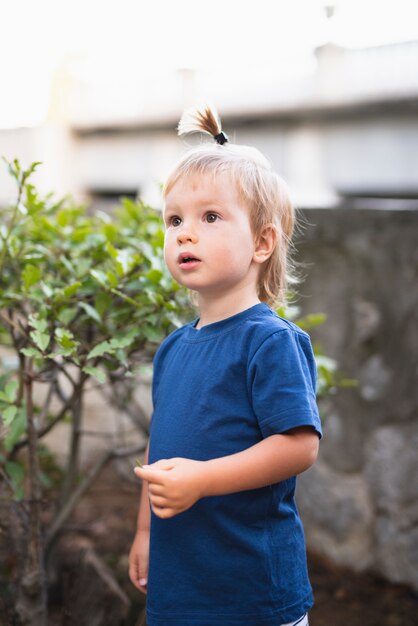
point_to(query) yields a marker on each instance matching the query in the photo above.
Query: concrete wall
(360, 501)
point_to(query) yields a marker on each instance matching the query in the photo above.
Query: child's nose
(186, 236)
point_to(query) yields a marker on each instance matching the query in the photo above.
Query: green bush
(83, 296)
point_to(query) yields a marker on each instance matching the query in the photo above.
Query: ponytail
(202, 121)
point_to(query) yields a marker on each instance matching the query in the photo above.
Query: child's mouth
(188, 261)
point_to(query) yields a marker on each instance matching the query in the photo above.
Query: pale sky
(126, 39)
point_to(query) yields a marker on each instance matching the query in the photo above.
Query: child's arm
(139, 553)
(176, 484)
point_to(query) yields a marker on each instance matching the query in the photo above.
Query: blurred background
(329, 92)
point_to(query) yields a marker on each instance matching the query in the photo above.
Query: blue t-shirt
(236, 559)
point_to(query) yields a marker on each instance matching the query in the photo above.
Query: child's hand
(138, 560)
(174, 485)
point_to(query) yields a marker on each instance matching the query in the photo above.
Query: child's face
(209, 244)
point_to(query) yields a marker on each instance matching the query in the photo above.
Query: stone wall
(360, 501)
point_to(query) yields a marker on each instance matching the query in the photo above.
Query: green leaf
(32, 168)
(121, 342)
(101, 348)
(38, 324)
(63, 218)
(125, 261)
(65, 339)
(48, 291)
(82, 266)
(110, 231)
(122, 357)
(158, 239)
(174, 319)
(112, 250)
(312, 320)
(102, 303)
(11, 390)
(16, 473)
(17, 429)
(62, 352)
(67, 264)
(9, 393)
(96, 373)
(31, 275)
(9, 415)
(32, 352)
(67, 315)
(40, 339)
(72, 289)
(152, 334)
(113, 281)
(100, 277)
(154, 276)
(91, 312)
(289, 312)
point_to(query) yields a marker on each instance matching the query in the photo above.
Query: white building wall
(54, 146)
(350, 128)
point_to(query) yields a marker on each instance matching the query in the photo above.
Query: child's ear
(265, 243)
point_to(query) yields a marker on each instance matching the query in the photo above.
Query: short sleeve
(283, 383)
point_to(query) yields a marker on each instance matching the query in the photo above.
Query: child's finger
(150, 475)
(143, 585)
(156, 490)
(159, 501)
(134, 573)
(164, 512)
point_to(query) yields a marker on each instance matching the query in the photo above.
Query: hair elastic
(221, 138)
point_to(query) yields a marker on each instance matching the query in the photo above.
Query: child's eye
(211, 217)
(174, 221)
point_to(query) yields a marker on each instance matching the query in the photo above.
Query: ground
(106, 518)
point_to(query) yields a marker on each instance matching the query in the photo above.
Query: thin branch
(34, 570)
(132, 409)
(90, 477)
(44, 431)
(11, 323)
(60, 393)
(7, 480)
(77, 414)
(47, 403)
(66, 373)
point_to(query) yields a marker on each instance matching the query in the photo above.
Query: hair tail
(196, 120)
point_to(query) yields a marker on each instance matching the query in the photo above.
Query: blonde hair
(262, 190)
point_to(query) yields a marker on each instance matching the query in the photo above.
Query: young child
(235, 416)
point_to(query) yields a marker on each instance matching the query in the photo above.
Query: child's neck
(213, 309)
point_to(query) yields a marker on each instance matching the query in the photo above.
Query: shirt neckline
(217, 328)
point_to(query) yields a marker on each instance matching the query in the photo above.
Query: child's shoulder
(271, 333)
(269, 323)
